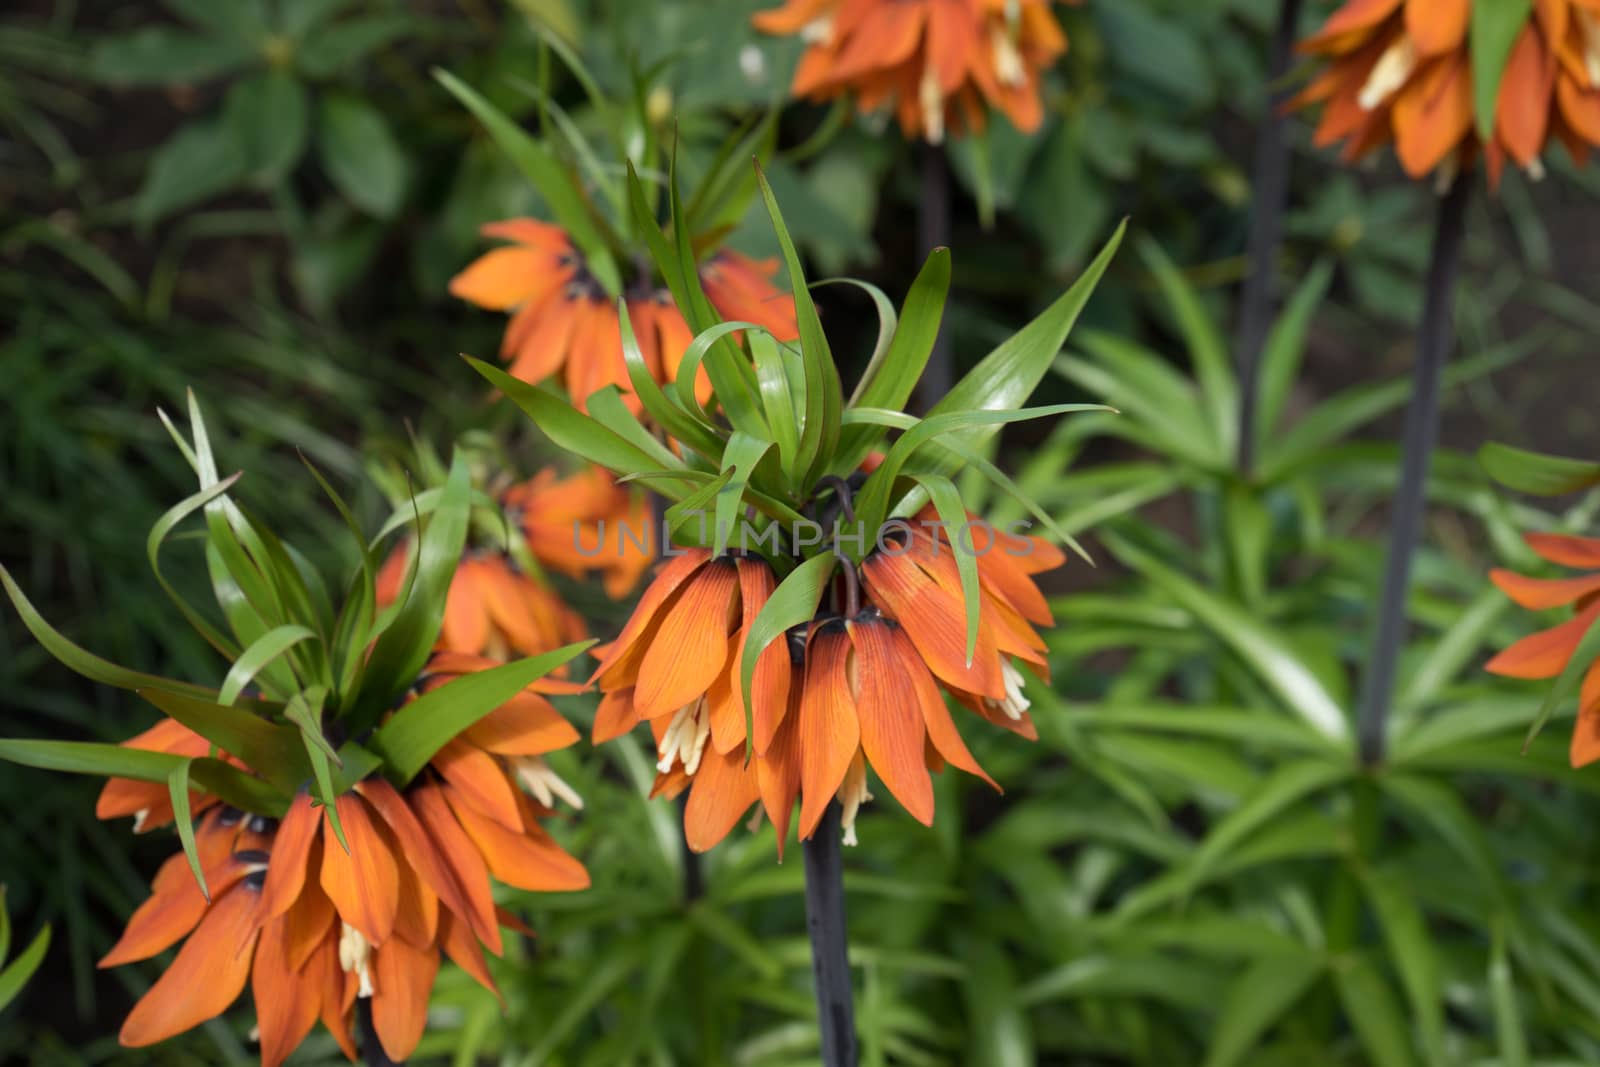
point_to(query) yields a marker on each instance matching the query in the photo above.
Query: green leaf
(116, 761)
(1369, 1004)
(1513, 1039)
(157, 537)
(1255, 1001)
(1533, 472)
(1260, 646)
(675, 420)
(606, 407)
(178, 790)
(1285, 786)
(1285, 348)
(17, 973)
(1141, 384)
(270, 750)
(412, 735)
(777, 400)
(554, 184)
(269, 116)
(1405, 932)
(361, 155)
(82, 661)
(404, 647)
(823, 397)
(1208, 351)
(947, 502)
(568, 427)
(201, 160)
(337, 49)
(1494, 30)
(165, 55)
(738, 462)
(1007, 376)
(889, 382)
(268, 647)
(239, 19)
(999, 1035)
(792, 603)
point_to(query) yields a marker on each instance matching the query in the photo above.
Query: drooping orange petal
(529, 859)
(1353, 16)
(616, 715)
(892, 729)
(322, 971)
(466, 619)
(1566, 550)
(1432, 114)
(829, 733)
(307, 923)
(722, 790)
(461, 945)
(778, 772)
(364, 883)
(942, 732)
(691, 648)
(291, 850)
(1544, 654)
(286, 1003)
(1522, 114)
(1437, 26)
(769, 688)
(936, 623)
(402, 982)
(1585, 747)
(673, 574)
(461, 859)
(1541, 593)
(477, 777)
(171, 911)
(207, 975)
(417, 918)
(525, 725)
(724, 703)
(543, 339)
(501, 278)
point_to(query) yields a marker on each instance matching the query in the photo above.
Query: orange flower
(492, 609)
(313, 926)
(1401, 71)
(938, 64)
(563, 322)
(584, 523)
(1547, 653)
(150, 803)
(859, 691)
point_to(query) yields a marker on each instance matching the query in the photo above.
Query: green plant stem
(1269, 198)
(933, 231)
(1434, 340)
(372, 1053)
(825, 922)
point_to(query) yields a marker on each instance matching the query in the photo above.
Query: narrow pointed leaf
(792, 603)
(263, 651)
(178, 790)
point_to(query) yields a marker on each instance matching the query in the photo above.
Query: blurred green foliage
(265, 201)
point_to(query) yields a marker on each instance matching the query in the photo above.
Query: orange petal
(306, 924)
(458, 857)
(691, 648)
(769, 688)
(417, 918)
(778, 773)
(1354, 16)
(542, 340)
(829, 733)
(171, 911)
(936, 623)
(461, 945)
(466, 620)
(364, 883)
(725, 705)
(1432, 114)
(1437, 26)
(892, 730)
(1586, 732)
(402, 981)
(291, 849)
(616, 715)
(722, 791)
(942, 732)
(1544, 654)
(677, 570)
(323, 972)
(1566, 550)
(1522, 113)
(477, 777)
(205, 977)
(501, 278)
(1541, 593)
(526, 725)
(286, 1003)
(528, 859)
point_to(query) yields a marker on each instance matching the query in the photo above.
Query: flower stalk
(825, 922)
(933, 231)
(1270, 196)
(1435, 337)
(372, 1053)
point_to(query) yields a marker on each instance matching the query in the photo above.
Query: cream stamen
(355, 954)
(1391, 72)
(545, 784)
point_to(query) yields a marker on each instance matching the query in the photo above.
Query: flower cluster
(313, 923)
(857, 687)
(563, 323)
(1402, 71)
(938, 65)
